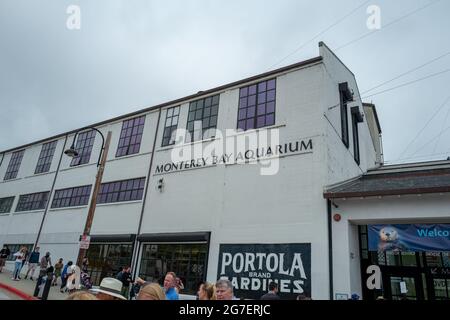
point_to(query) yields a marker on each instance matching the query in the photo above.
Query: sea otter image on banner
(251, 267)
(409, 237)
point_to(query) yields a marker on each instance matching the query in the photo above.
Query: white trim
(39, 174)
(117, 203)
(27, 212)
(67, 208)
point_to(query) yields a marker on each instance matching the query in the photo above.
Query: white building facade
(205, 217)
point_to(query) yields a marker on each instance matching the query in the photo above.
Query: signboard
(251, 267)
(409, 237)
(84, 242)
(403, 287)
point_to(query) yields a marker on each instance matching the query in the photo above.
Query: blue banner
(409, 237)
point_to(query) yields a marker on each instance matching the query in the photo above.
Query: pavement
(26, 286)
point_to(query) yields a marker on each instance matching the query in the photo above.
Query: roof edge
(197, 95)
(396, 192)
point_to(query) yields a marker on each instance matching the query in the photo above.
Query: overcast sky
(137, 53)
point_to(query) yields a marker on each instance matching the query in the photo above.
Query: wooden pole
(92, 206)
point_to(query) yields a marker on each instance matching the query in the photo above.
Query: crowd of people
(120, 287)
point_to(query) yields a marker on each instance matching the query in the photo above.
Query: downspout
(50, 194)
(136, 247)
(330, 248)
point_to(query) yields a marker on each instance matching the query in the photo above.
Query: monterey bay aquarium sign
(409, 237)
(251, 267)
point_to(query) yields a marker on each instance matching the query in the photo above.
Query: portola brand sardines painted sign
(409, 237)
(251, 267)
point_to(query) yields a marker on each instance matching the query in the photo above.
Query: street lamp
(72, 152)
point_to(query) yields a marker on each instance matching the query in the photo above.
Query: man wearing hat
(110, 289)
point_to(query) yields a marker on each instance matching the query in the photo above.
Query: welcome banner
(409, 237)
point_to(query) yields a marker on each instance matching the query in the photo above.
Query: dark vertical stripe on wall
(136, 247)
(330, 248)
(51, 192)
(1, 161)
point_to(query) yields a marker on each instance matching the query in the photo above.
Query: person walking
(33, 263)
(45, 263)
(125, 277)
(24, 260)
(273, 292)
(19, 255)
(58, 270)
(4, 253)
(64, 276)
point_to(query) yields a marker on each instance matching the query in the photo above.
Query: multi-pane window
(45, 157)
(14, 165)
(131, 136)
(202, 118)
(170, 126)
(356, 118)
(6, 204)
(118, 191)
(32, 201)
(257, 105)
(344, 97)
(71, 197)
(84, 144)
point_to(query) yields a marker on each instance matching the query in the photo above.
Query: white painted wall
(386, 210)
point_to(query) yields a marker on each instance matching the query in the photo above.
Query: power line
(408, 72)
(407, 83)
(320, 33)
(419, 157)
(387, 25)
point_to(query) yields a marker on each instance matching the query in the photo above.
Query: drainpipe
(137, 248)
(330, 248)
(50, 194)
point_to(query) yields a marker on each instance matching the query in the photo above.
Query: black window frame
(172, 117)
(205, 110)
(356, 118)
(345, 96)
(46, 157)
(6, 204)
(71, 197)
(131, 136)
(120, 190)
(14, 165)
(84, 144)
(38, 201)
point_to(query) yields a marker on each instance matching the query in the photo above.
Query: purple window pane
(271, 84)
(136, 184)
(250, 112)
(136, 148)
(127, 141)
(262, 97)
(135, 130)
(102, 198)
(270, 107)
(129, 184)
(262, 86)
(134, 195)
(271, 95)
(249, 124)
(243, 103)
(142, 183)
(261, 109)
(109, 197)
(128, 195)
(252, 100)
(133, 140)
(140, 129)
(114, 197)
(142, 120)
(270, 119)
(260, 121)
(242, 114)
(139, 194)
(123, 185)
(122, 196)
(252, 89)
(243, 92)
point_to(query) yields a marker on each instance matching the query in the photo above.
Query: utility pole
(92, 206)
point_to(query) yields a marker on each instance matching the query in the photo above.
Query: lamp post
(72, 152)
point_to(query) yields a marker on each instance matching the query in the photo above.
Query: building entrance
(406, 275)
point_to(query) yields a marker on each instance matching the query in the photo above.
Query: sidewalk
(28, 286)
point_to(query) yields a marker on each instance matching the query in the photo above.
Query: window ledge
(129, 156)
(10, 180)
(184, 145)
(117, 203)
(27, 212)
(4, 214)
(40, 174)
(79, 166)
(275, 126)
(67, 208)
